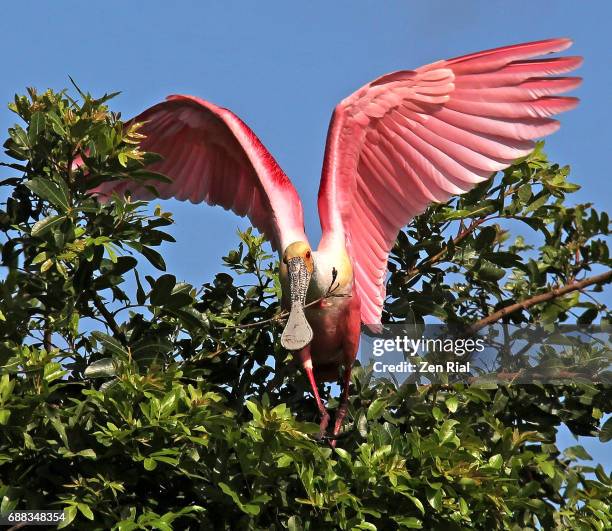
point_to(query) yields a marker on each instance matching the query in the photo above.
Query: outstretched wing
(211, 155)
(410, 138)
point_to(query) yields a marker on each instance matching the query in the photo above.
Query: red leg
(343, 407)
(350, 348)
(307, 365)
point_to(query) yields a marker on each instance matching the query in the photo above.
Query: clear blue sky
(283, 66)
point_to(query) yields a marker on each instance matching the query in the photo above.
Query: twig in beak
(329, 294)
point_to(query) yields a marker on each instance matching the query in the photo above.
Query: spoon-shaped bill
(297, 332)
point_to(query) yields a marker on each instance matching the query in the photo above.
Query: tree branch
(285, 313)
(436, 257)
(109, 318)
(543, 297)
(458, 239)
(47, 338)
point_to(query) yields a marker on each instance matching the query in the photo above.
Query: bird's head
(297, 266)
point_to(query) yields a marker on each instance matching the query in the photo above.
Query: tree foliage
(153, 404)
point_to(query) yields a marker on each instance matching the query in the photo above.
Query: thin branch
(129, 306)
(438, 256)
(543, 297)
(18, 526)
(284, 314)
(600, 306)
(458, 239)
(47, 343)
(511, 377)
(109, 318)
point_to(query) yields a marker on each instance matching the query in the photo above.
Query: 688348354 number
(34, 517)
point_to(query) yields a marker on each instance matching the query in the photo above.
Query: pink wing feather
(414, 137)
(212, 156)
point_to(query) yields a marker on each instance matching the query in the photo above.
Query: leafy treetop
(163, 405)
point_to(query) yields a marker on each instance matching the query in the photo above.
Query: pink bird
(394, 146)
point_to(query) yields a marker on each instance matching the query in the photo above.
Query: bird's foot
(340, 414)
(332, 440)
(323, 426)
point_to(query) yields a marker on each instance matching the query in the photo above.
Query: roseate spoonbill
(397, 144)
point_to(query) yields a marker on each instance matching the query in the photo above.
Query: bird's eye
(307, 254)
(284, 261)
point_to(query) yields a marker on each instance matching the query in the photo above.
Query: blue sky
(282, 67)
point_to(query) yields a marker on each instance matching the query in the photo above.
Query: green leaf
(605, 434)
(149, 464)
(409, 522)
(7, 385)
(548, 467)
(284, 461)
(112, 345)
(252, 407)
(46, 265)
(496, 461)
(452, 214)
(434, 497)
(86, 511)
(56, 194)
(5, 414)
(56, 123)
(294, 524)
(447, 431)
(40, 257)
(167, 404)
(483, 208)
(148, 175)
(375, 409)
(537, 203)
(124, 264)
(417, 503)
(7, 504)
(60, 429)
(503, 258)
(488, 271)
(452, 403)
(103, 368)
(111, 252)
(247, 508)
(19, 136)
(587, 317)
(578, 452)
(141, 296)
(485, 238)
(362, 426)
(36, 127)
(53, 371)
(69, 515)
(191, 318)
(154, 258)
(162, 289)
(524, 193)
(344, 455)
(89, 453)
(151, 347)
